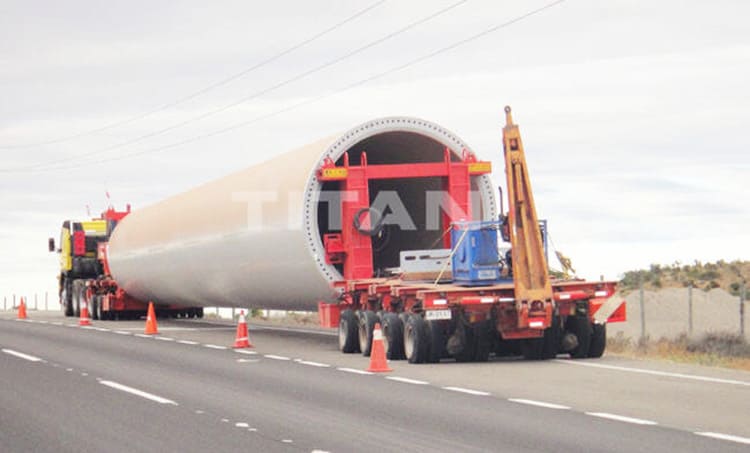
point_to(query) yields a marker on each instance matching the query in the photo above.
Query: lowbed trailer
(515, 309)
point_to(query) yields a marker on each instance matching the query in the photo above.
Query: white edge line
(276, 357)
(244, 351)
(406, 380)
(187, 342)
(538, 403)
(729, 437)
(141, 335)
(121, 332)
(621, 418)
(21, 355)
(657, 373)
(469, 391)
(355, 371)
(141, 393)
(164, 338)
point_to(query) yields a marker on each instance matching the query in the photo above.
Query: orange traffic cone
(84, 320)
(22, 309)
(151, 327)
(242, 339)
(378, 364)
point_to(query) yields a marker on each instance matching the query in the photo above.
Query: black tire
(598, 340)
(438, 341)
(532, 348)
(393, 334)
(348, 341)
(366, 326)
(464, 336)
(66, 297)
(77, 295)
(199, 312)
(416, 339)
(581, 327)
(483, 341)
(94, 308)
(552, 339)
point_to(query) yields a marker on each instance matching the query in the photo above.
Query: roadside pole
(742, 310)
(690, 310)
(643, 311)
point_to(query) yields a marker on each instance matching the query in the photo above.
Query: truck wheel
(393, 334)
(532, 348)
(348, 341)
(598, 340)
(66, 297)
(437, 341)
(77, 294)
(462, 344)
(551, 339)
(94, 308)
(483, 341)
(367, 320)
(581, 328)
(416, 337)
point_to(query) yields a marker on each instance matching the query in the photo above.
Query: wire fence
(673, 312)
(34, 301)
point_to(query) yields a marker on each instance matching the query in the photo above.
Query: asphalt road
(67, 388)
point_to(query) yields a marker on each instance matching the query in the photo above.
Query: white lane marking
(276, 357)
(225, 420)
(141, 393)
(729, 437)
(248, 360)
(406, 380)
(69, 369)
(140, 335)
(21, 355)
(187, 342)
(538, 403)
(621, 418)
(84, 374)
(214, 346)
(71, 325)
(165, 338)
(43, 322)
(122, 332)
(469, 391)
(252, 430)
(315, 364)
(287, 441)
(241, 425)
(101, 329)
(245, 351)
(320, 451)
(198, 411)
(657, 373)
(355, 371)
(56, 323)
(87, 327)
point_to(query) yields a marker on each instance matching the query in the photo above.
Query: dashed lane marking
(214, 346)
(355, 371)
(729, 437)
(468, 391)
(657, 373)
(141, 393)
(187, 342)
(165, 338)
(406, 380)
(141, 335)
(245, 351)
(21, 355)
(241, 425)
(538, 403)
(621, 418)
(276, 357)
(122, 332)
(315, 364)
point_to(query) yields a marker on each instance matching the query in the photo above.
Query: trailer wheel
(551, 339)
(532, 348)
(581, 328)
(367, 320)
(348, 341)
(437, 341)
(416, 337)
(393, 334)
(94, 309)
(598, 340)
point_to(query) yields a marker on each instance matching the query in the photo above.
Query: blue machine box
(475, 259)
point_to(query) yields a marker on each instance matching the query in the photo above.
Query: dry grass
(713, 349)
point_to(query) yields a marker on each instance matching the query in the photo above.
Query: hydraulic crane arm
(533, 292)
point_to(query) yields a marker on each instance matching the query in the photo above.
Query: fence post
(690, 309)
(46, 299)
(643, 311)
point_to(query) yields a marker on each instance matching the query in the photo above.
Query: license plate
(486, 274)
(437, 315)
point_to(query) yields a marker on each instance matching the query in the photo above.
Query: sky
(634, 114)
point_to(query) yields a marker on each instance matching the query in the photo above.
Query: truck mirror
(51, 244)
